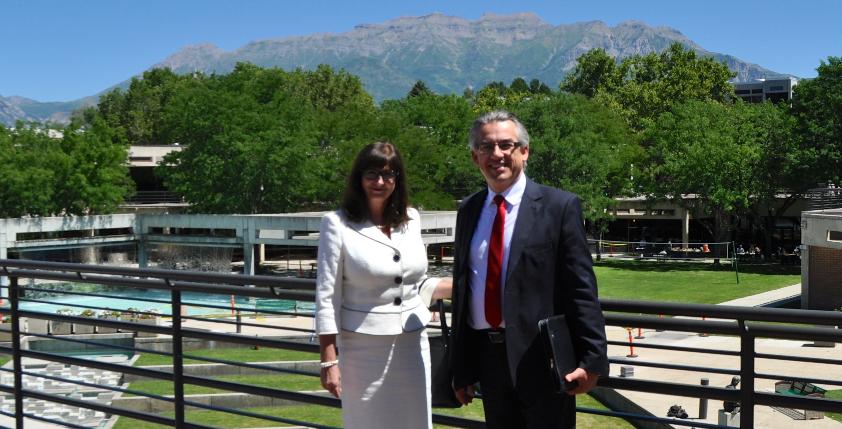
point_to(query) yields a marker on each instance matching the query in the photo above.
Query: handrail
(746, 323)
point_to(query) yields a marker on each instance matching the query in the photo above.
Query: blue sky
(58, 50)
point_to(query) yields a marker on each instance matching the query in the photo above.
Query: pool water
(192, 301)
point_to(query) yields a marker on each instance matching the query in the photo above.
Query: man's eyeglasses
(506, 146)
(387, 175)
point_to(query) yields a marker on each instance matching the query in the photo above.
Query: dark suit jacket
(549, 273)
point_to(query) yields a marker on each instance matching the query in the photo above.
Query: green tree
(817, 109)
(96, 180)
(714, 158)
(420, 88)
(643, 87)
(27, 158)
(519, 85)
(82, 172)
(538, 87)
(265, 140)
(595, 71)
(137, 112)
(443, 120)
(581, 146)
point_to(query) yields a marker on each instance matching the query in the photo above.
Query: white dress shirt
(479, 250)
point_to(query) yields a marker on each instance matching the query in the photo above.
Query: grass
(232, 354)
(4, 359)
(278, 381)
(689, 282)
(333, 417)
(837, 395)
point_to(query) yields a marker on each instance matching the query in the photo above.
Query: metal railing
(824, 198)
(154, 197)
(746, 324)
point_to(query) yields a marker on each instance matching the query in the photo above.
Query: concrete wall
(219, 369)
(821, 256)
(227, 400)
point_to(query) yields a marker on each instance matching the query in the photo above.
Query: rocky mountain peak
(192, 57)
(449, 53)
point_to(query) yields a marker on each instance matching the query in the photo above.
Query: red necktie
(493, 314)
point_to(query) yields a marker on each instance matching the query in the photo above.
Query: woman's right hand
(332, 380)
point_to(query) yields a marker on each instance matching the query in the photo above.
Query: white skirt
(385, 380)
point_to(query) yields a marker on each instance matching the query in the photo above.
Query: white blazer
(369, 283)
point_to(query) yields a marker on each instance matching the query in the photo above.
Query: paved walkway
(766, 297)
(764, 417)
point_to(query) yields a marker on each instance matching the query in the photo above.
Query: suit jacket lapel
(473, 208)
(367, 230)
(530, 206)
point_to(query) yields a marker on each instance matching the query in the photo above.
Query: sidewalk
(764, 417)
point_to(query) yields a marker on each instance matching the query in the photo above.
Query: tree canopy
(581, 146)
(817, 109)
(641, 87)
(715, 158)
(82, 172)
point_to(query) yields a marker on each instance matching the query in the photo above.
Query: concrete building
(821, 259)
(248, 235)
(149, 188)
(774, 90)
(638, 219)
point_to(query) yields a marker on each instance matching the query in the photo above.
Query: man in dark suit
(521, 256)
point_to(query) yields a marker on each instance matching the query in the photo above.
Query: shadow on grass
(768, 268)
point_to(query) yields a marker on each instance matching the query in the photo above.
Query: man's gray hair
(497, 116)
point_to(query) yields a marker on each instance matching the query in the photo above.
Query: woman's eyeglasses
(387, 175)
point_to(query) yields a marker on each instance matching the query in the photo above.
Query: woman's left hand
(332, 380)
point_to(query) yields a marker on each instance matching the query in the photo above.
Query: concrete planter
(83, 329)
(5, 332)
(154, 321)
(106, 330)
(37, 326)
(60, 328)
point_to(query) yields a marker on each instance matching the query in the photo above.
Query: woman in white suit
(372, 298)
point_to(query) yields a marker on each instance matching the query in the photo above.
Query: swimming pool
(193, 303)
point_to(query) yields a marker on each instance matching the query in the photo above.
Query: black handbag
(441, 377)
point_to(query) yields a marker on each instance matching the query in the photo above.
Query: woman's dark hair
(376, 156)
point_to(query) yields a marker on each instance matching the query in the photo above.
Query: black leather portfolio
(559, 348)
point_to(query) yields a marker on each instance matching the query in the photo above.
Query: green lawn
(332, 417)
(232, 354)
(837, 395)
(279, 381)
(689, 282)
(4, 359)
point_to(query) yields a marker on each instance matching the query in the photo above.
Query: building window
(834, 236)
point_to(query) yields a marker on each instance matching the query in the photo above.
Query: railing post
(177, 358)
(16, 355)
(746, 376)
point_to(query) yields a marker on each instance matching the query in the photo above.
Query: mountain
(16, 108)
(448, 53)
